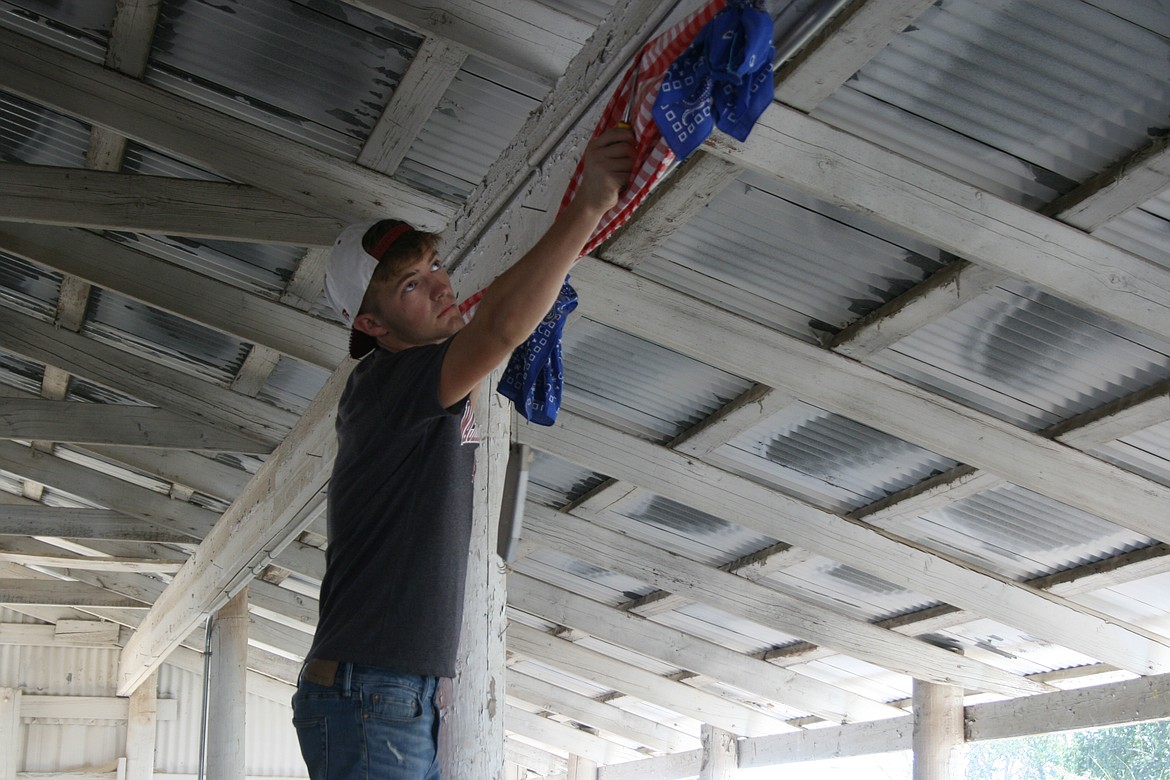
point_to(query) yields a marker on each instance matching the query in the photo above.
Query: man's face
(416, 306)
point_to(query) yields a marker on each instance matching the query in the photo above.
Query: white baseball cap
(348, 274)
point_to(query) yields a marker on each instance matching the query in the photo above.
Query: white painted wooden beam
(679, 649)
(89, 563)
(227, 697)
(41, 520)
(1126, 185)
(599, 715)
(207, 138)
(210, 477)
(114, 424)
(109, 491)
(700, 179)
(144, 379)
(60, 593)
(879, 553)
(565, 737)
(990, 231)
(766, 606)
(677, 766)
(938, 731)
(137, 203)
(540, 761)
(67, 633)
(634, 681)
(837, 384)
(524, 36)
(720, 754)
(167, 286)
(416, 97)
(142, 718)
(275, 507)
(851, 39)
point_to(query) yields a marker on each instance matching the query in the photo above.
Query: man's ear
(368, 323)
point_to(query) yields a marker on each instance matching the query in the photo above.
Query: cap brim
(360, 344)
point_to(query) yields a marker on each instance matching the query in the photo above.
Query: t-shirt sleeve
(406, 387)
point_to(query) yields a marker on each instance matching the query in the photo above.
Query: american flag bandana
(534, 377)
(723, 80)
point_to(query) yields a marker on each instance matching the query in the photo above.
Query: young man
(400, 495)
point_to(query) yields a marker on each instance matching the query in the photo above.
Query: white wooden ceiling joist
(973, 224)
(620, 299)
(193, 296)
(416, 97)
(567, 738)
(677, 648)
(766, 606)
(207, 138)
(681, 698)
(60, 593)
(884, 555)
(90, 563)
(144, 379)
(525, 36)
(596, 714)
(106, 490)
(530, 757)
(114, 425)
(138, 203)
(207, 476)
(1126, 185)
(69, 523)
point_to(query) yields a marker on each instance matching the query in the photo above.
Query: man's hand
(609, 159)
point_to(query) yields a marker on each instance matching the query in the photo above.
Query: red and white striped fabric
(652, 157)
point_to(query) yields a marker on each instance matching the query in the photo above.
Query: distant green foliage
(1139, 752)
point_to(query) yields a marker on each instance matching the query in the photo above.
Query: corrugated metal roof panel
(1145, 452)
(263, 269)
(1144, 231)
(555, 482)
(35, 135)
(29, 288)
(475, 121)
(18, 372)
(1020, 534)
(681, 529)
(319, 72)
(788, 260)
(149, 162)
(293, 385)
(1144, 602)
(725, 629)
(846, 590)
(828, 460)
(583, 578)
(1011, 649)
(639, 386)
(1012, 74)
(864, 679)
(127, 324)
(79, 28)
(1027, 357)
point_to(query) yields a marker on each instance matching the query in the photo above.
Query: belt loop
(346, 679)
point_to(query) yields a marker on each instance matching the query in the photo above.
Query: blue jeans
(370, 724)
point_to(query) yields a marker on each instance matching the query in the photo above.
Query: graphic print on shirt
(468, 431)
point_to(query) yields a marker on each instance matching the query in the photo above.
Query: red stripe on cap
(392, 235)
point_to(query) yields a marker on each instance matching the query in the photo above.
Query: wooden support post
(720, 754)
(581, 768)
(141, 730)
(11, 748)
(226, 703)
(938, 731)
(471, 740)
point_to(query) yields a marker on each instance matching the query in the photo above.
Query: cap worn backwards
(348, 274)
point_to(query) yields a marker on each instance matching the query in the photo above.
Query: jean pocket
(313, 736)
(391, 702)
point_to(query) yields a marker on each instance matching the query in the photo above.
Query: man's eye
(436, 266)
(409, 286)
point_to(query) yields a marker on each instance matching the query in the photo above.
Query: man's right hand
(609, 158)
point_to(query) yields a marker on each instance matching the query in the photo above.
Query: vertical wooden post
(720, 754)
(141, 730)
(228, 691)
(938, 731)
(582, 768)
(11, 749)
(471, 740)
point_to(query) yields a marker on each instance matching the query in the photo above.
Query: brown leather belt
(321, 672)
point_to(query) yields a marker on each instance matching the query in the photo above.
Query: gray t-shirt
(399, 518)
